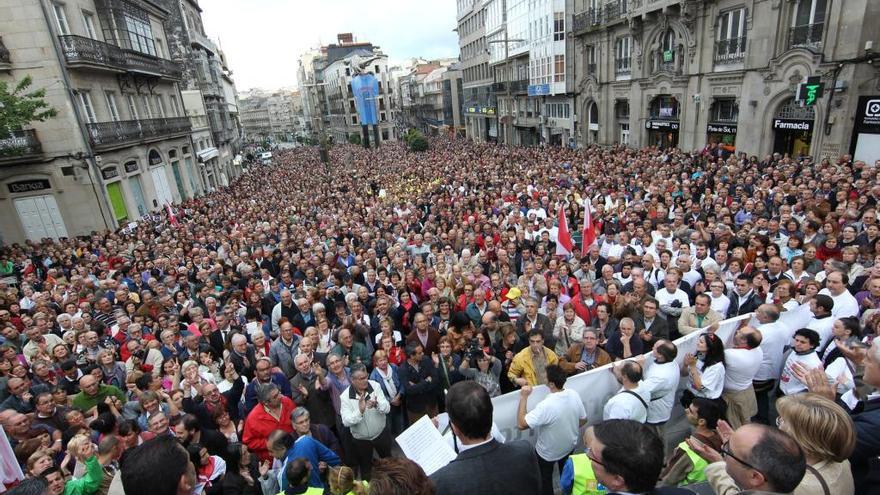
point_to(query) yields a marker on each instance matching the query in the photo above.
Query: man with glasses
(364, 409)
(420, 380)
(621, 456)
(651, 328)
(755, 458)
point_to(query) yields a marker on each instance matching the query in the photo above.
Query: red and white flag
(172, 217)
(589, 233)
(564, 244)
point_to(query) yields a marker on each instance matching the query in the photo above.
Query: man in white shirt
(741, 363)
(557, 419)
(774, 337)
(672, 299)
(689, 275)
(660, 379)
(822, 307)
(804, 355)
(844, 303)
(631, 401)
(363, 408)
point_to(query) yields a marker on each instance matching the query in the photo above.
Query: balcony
(587, 19)
(731, 51)
(82, 52)
(808, 36)
(109, 135)
(20, 146)
(616, 10)
(622, 67)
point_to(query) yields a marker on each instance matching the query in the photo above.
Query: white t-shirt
(556, 419)
(741, 367)
(719, 304)
(824, 327)
(774, 337)
(661, 380)
(625, 405)
(788, 383)
(844, 305)
(712, 379)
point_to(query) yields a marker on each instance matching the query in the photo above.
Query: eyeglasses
(587, 452)
(726, 452)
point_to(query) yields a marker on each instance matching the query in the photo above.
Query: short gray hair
(264, 391)
(298, 413)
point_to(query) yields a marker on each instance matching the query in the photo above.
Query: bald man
(92, 393)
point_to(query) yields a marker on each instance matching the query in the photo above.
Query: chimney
(345, 38)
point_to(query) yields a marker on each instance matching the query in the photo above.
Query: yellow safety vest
(698, 473)
(309, 491)
(584, 482)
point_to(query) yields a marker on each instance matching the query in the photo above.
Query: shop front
(37, 209)
(113, 185)
(793, 127)
(722, 135)
(662, 133)
(865, 144)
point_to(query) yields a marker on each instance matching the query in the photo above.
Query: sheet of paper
(423, 444)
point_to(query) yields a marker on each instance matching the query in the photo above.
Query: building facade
(687, 73)
(480, 107)
(120, 146)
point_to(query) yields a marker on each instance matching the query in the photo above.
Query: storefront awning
(207, 153)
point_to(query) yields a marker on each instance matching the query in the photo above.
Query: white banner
(597, 386)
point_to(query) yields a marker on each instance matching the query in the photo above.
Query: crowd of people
(274, 336)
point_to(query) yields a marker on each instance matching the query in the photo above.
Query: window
(148, 108)
(730, 45)
(112, 108)
(559, 68)
(725, 110)
(160, 107)
(175, 107)
(664, 107)
(89, 25)
(623, 55)
(559, 26)
(590, 59)
(85, 103)
(158, 44)
(132, 107)
(665, 57)
(807, 23)
(140, 35)
(61, 19)
(382, 116)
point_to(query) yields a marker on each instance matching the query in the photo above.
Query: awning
(207, 153)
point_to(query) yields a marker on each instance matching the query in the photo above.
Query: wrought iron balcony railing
(806, 36)
(104, 135)
(19, 145)
(730, 51)
(83, 51)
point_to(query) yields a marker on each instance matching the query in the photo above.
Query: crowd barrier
(596, 386)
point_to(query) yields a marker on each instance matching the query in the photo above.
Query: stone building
(120, 145)
(686, 73)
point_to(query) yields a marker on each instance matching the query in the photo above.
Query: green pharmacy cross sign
(810, 91)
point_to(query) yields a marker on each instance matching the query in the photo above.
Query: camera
(472, 350)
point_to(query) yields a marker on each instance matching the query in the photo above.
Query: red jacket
(259, 424)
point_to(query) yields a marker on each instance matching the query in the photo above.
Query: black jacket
(491, 469)
(418, 392)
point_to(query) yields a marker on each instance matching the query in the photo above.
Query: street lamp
(507, 41)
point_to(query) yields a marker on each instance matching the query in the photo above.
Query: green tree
(418, 143)
(354, 139)
(19, 107)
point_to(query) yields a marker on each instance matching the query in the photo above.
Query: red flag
(564, 244)
(589, 233)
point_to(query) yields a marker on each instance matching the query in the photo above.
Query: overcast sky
(263, 39)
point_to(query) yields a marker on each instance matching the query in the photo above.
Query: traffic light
(810, 91)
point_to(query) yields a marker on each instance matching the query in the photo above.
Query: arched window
(666, 58)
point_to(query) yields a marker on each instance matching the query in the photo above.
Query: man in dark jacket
(419, 379)
(742, 298)
(483, 465)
